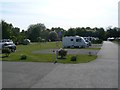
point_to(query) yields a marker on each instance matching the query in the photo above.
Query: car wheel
(12, 50)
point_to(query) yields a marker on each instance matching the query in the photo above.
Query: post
(56, 54)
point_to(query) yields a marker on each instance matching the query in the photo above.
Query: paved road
(101, 73)
(24, 74)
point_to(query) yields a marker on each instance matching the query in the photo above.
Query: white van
(74, 41)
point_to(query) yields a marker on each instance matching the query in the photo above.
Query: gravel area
(96, 46)
(70, 51)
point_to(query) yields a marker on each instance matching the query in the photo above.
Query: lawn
(28, 49)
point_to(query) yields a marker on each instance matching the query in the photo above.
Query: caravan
(74, 41)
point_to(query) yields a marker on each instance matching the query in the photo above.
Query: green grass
(28, 49)
(51, 58)
(80, 59)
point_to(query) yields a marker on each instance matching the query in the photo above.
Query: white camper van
(74, 41)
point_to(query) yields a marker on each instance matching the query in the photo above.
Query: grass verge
(50, 58)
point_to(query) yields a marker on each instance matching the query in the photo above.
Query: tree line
(38, 32)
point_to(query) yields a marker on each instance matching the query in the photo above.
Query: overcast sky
(60, 13)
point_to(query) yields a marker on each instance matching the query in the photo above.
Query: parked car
(12, 47)
(7, 43)
(26, 41)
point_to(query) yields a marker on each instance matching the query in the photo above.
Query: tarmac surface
(100, 73)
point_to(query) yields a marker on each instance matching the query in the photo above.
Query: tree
(39, 39)
(115, 32)
(81, 32)
(53, 36)
(35, 31)
(15, 34)
(78, 31)
(71, 32)
(118, 32)
(10, 32)
(6, 30)
(101, 33)
(88, 28)
(59, 31)
(16, 31)
(45, 34)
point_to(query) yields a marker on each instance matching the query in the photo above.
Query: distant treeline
(37, 32)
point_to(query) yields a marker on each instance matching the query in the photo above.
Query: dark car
(11, 46)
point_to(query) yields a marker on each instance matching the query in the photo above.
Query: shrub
(23, 57)
(97, 41)
(6, 51)
(73, 58)
(53, 36)
(62, 53)
(90, 53)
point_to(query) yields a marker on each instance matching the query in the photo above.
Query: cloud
(63, 13)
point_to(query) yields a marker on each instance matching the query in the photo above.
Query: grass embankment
(28, 49)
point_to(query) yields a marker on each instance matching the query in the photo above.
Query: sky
(60, 13)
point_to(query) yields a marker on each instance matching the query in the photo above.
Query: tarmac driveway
(24, 74)
(101, 73)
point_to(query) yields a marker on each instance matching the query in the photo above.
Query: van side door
(78, 42)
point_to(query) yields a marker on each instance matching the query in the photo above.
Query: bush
(90, 53)
(23, 57)
(53, 36)
(62, 53)
(6, 51)
(97, 41)
(73, 58)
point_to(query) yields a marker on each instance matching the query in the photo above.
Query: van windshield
(84, 40)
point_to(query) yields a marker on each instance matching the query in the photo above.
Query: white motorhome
(74, 41)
